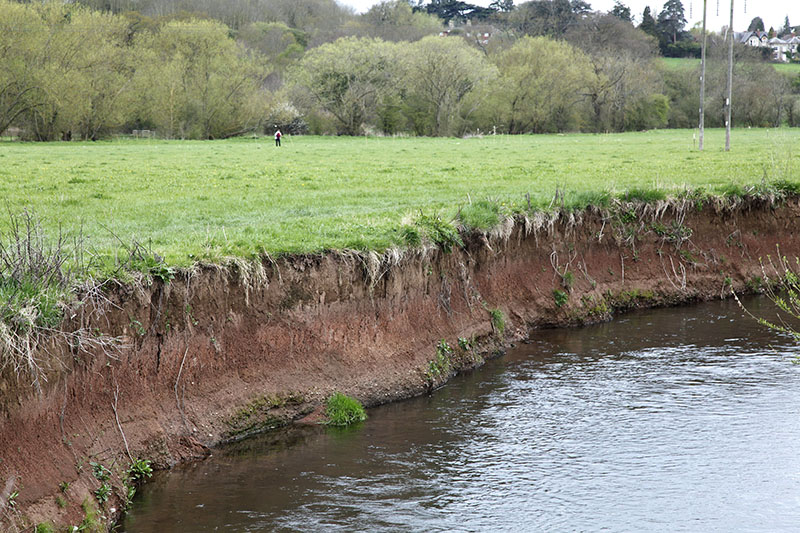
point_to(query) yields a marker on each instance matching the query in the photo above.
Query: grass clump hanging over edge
(342, 410)
(481, 215)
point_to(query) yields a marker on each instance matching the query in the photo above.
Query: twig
(177, 380)
(116, 416)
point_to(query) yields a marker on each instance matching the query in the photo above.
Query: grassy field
(205, 200)
(689, 63)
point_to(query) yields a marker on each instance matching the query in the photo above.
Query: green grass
(788, 68)
(680, 63)
(689, 63)
(192, 200)
(342, 410)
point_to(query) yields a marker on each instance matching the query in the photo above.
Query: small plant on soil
(342, 410)
(441, 363)
(560, 297)
(498, 321)
(45, 527)
(91, 522)
(139, 470)
(101, 473)
(568, 279)
(464, 344)
(12, 499)
(103, 492)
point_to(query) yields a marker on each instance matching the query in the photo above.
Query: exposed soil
(220, 353)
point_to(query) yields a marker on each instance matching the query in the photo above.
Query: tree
(671, 21)
(502, 6)
(756, 24)
(541, 85)
(448, 10)
(20, 61)
(348, 78)
(623, 12)
(83, 90)
(279, 43)
(626, 86)
(648, 24)
(395, 20)
(548, 17)
(194, 81)
(440, 74)
(787, 27)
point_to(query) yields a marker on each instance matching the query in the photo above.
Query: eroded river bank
(221, 352)
(682, 419)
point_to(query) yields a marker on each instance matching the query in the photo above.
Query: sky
(772, 12)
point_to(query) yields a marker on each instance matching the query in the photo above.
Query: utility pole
(728, 101)
(703, 79)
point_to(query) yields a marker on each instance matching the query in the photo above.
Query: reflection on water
(681, 419)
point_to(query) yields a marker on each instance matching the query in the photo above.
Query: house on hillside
(783, 49)
(754, 38)
(480, 36)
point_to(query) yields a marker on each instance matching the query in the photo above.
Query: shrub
(342, 410)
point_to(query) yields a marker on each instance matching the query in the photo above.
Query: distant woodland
(205, 69)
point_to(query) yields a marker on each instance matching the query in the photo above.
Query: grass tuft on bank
(342, 410)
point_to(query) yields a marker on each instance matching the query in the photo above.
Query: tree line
(87, 71)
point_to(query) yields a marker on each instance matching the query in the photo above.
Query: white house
(754, 38)
(782, 48)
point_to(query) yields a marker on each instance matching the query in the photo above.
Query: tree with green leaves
(548, 17)
(621, 11)
(624, 92)
(671, 21)
(648, 24)
(440, 73)
(458, 10)
(24, 42)
(395, 20)
(502, 6)
(756, 24)
(195, 82)
(787, 27)
(541, 85)
(348, 78)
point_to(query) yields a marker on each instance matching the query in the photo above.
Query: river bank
(576, 429)
(217, 353)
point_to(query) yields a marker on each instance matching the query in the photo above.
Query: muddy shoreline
(219, 353)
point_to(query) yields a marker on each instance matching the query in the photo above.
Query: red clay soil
(219, 353)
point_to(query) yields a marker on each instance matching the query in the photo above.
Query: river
(683, 419)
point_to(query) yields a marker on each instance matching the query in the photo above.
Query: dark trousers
(277, 141)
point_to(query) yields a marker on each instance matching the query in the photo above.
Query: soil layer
(219, 353)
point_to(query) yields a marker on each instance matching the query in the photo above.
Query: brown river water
(684, 419)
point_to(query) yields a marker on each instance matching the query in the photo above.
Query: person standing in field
(278, 138)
